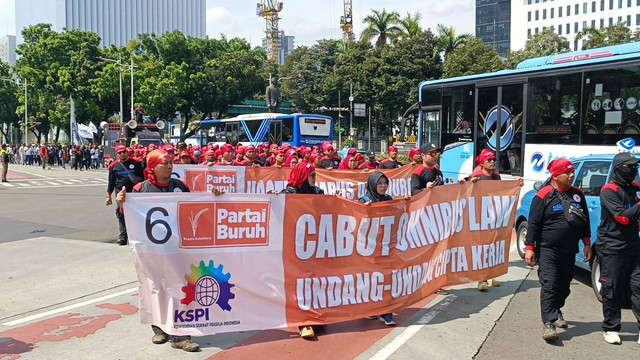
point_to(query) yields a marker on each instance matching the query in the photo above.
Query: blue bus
(567, 105)
(294, 129)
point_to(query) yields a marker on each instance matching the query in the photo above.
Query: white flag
(93, 128)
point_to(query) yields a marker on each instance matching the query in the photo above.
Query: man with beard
(618, 246)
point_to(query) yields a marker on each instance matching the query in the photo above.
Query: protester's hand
(272, 192)
(337, 193)
(109, 201)
(587, 253)
(365, 169)
(530, 257)
(255, 165)
(462, 181)
(407, 197)
(520, 182)
(367, 203)
(121, 197)
(475, 179)
(431, 184)
(210, 163)
(217, 192)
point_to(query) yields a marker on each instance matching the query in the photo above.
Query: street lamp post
(351, 112)
(121, 67)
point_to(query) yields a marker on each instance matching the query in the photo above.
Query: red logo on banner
(196, 223)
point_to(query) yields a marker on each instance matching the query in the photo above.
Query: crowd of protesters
(47, 156)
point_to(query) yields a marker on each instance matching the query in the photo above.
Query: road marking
(51, 183)
(7, 184)
(411, 330)
(30, 173)
(70, 307)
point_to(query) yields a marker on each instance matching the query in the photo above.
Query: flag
(84, 131)
(93, 128)
(75, 138)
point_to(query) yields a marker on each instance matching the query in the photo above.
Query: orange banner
(344, 261)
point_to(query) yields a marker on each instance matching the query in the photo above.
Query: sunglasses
(491, 160)
(122, 152)
(433, 153)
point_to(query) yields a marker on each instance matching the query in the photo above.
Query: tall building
(285, 44)
(568, 17)
(493, 24)
(8, 49)
(116, 21)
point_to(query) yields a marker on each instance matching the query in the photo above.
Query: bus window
(554, 109)
(457, 114)
(287, 129)
(511, 130)
(275, 132)
(487, 132)
(235, 133)
(611, 103)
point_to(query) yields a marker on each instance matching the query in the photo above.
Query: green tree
(542, 44)
(473, 57)
(381, 25)
(611, 35)
(410, 25)
(58, 66)
(8, 99)
(448, 41)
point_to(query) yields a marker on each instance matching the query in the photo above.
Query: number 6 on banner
(149, 225)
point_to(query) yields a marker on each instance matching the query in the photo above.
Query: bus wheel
(595, 277)
(521, 236)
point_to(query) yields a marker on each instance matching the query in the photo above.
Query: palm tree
(448, 41)
(381, 24)
(411, 25)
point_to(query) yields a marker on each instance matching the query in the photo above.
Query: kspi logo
(196, 224)
(208, 286)
(626, 144)
(206, 180)
(537, 162)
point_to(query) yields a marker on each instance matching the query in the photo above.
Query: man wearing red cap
(618, 244)
(330, 160)
(392, 161)
(124, 173)
(554, 243)
(251, 157)
(227, 155)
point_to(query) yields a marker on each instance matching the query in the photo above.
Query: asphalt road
(66, 291)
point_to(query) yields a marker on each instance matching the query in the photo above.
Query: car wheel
(595, 278)
(521, 236)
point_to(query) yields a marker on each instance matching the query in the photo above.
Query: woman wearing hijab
(376, 191)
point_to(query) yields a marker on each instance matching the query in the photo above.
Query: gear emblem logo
(208, 285)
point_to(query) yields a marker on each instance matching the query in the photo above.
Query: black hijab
(372, 187)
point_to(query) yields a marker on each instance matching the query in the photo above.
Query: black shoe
(121, 242)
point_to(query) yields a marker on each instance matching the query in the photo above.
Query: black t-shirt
(124, 174)
(547, 224)
(174, 185)
(389, 164)
(423, 175)
(620, 212)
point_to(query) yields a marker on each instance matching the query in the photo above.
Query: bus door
(275, 132)
(430, 125)
(499, 125)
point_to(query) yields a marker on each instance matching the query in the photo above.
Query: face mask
(625, 174)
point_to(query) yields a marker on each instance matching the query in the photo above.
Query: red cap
(250, 148)
(226, 148)
(120, 148)
(413, 152)
(392, 148)
(560, 166)
(485, 155)
(209, 153)
(185, 153)
(168, 148)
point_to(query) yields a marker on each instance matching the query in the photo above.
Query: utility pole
(133, 115)
(26, 118)
(351, 112)
(339, 123)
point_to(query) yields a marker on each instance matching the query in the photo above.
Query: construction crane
(269, 10)
(346, 22)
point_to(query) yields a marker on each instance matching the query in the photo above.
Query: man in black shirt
(618, 244)
(427, 175)
(392, 161)
(123, 174)
(557, 243)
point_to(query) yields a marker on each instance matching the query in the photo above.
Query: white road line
(51, 182)
(74, 180)
(26, 172)
(21, 184)
(7, 184)
(411, 330)
(67, 308)
(65, 182)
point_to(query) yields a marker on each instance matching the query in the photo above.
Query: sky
(308, 20)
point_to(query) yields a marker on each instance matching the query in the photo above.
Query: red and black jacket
(620, 212)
